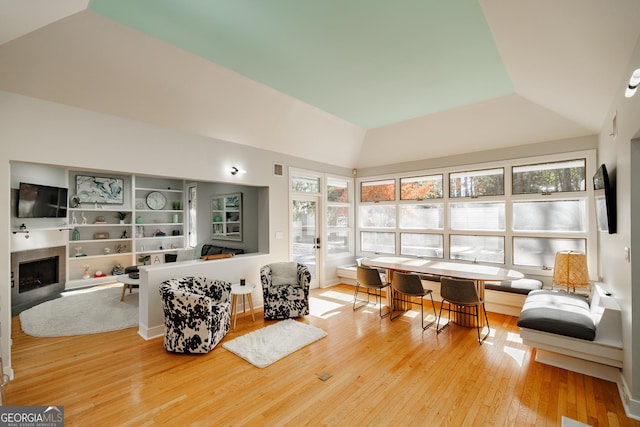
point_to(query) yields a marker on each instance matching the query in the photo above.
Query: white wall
(622, 158)
(37, 131)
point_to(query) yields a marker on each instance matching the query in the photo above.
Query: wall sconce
(634, 81)
(234, 170)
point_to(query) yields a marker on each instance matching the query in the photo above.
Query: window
(421, 245)
(378, 191)
(550, 216)
(338, 217)
(477, 216)
(489, 182)
(421, 187)
(377, 216)
(376, 242)
(478, 248)
(541, 251)
(305, 184)
(422, 217)
(517, 213)
(545, 178)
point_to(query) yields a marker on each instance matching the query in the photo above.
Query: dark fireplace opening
(38, 274)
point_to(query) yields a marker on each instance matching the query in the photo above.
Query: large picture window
(517, 213)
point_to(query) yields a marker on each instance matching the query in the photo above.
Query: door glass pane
(304, 234)
(377, 216)
(421, 187)
(477, 216)
(422, 217)
(378, 191)
(549, 177)
(488, 182)
(478, 248)
(426, 245)
(384, 243)
(541, 251)
(559, 215)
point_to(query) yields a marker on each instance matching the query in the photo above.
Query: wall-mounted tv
(41, 201)
(605, 197)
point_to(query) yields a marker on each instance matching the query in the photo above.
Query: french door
(305, 234)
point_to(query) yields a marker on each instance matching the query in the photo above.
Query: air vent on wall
(277, 169)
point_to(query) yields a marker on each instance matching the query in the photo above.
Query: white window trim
(591, 235)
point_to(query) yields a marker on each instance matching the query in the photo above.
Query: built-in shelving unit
(159, 218)
(99, 241)
(226, 214)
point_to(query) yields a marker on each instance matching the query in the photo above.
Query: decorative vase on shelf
(139, 220)
(75, 235)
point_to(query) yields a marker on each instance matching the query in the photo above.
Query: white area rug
(82, 312)
(263, 347)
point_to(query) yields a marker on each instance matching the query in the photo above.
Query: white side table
(127, 283)
(236, 290)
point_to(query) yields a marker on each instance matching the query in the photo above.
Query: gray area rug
(263, 347)
(82, 312)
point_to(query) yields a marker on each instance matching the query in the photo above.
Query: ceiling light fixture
(235, 170)
(634, 81)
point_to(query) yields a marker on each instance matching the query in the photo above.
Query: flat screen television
(41, 201)
(605, 198)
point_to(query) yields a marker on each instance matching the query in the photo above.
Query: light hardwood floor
(382, 373)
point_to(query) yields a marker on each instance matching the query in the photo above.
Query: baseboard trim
(631, 406)
(150, 333)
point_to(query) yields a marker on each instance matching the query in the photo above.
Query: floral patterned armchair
(197, 313)
(285, 288)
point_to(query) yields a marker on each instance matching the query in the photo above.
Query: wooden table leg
(251, 306)
(124, 289)
(234, 310)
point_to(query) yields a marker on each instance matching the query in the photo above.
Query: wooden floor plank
(382, 373)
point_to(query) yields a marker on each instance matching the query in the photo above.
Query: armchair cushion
(197, 313)
(284, 273)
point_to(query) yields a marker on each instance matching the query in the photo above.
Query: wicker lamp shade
(571, 270)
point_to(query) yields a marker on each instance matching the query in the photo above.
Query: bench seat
(571, 346)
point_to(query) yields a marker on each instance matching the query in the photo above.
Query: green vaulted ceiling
(354, 83)
(371, 63)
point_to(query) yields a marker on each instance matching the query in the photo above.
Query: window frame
(589, 235)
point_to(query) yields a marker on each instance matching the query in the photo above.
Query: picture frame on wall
(103, 190)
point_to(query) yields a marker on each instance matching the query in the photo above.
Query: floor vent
(324, 377)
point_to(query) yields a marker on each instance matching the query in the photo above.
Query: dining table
(479, 273)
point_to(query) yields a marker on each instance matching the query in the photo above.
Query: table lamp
(571, 270)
